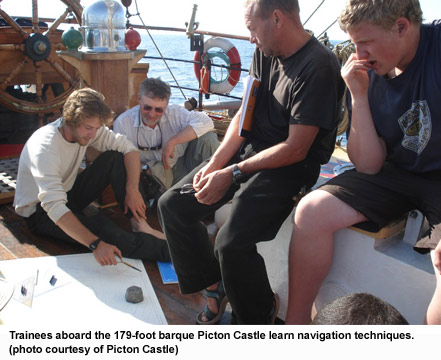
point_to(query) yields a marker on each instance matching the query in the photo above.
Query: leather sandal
(221, 301)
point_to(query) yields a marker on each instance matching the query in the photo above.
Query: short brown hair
(86, 103)
(155, 88)
(383, 13)
(264, 8)
(359, 309)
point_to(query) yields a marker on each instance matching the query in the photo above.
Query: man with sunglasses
(172, 140)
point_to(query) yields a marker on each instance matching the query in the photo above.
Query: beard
(149, 122)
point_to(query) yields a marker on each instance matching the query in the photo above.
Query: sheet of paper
(75, 289)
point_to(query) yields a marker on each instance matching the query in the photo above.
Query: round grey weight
(134, 294)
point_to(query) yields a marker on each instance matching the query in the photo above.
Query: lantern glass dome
(104, 26)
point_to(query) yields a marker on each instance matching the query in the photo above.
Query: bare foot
(144, 227)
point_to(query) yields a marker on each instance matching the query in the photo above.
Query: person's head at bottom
(359, 309)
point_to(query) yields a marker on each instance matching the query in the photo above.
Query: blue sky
(225, 16)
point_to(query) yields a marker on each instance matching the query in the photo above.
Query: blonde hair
(383, 13)
(86, 103)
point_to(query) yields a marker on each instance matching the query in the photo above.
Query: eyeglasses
(187, 189)
(145, 148)
(158, 110)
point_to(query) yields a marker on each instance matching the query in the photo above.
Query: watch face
(238, 176)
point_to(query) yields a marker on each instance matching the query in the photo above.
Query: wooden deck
(16, 241)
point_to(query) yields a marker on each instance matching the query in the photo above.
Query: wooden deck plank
(17, 248)
(19, 240)
(5, 254)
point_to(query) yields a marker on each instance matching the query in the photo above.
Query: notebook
(168, 273)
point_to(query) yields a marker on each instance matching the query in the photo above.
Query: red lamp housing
(133, 39)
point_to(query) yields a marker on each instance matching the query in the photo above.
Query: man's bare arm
(133, 200)
(104, 254)
(294, 149)
(187, 134)
(365, 148)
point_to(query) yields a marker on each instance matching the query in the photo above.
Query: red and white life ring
(229, 55)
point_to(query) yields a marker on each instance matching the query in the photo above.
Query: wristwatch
(94, 244)
(238, 176)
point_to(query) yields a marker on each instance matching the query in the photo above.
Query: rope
(343, 50)
(204, 76)
(310, 16)
(159, 51)
(229, 69)
(324, 31)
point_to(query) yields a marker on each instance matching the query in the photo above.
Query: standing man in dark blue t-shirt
(395, 144)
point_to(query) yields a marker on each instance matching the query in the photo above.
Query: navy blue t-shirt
(407, 109)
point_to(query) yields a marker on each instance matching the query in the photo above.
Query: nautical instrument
(133, 39)
(192, 25)
(72, 39)
(129, 265)
(6, 292)
(104, 26)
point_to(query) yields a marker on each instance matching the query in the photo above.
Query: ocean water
(177, 46)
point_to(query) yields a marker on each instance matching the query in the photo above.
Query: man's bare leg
(433, 316)
(317, 217)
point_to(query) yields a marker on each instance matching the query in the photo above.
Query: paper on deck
(76, 290)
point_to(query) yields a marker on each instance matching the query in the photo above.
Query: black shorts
(390, 194)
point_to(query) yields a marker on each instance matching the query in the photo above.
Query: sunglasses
(187, 189)
(158, 110)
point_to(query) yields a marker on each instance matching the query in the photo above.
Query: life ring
(229, 55)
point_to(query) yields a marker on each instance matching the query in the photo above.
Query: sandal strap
(209, 314)
(221, 300)
(217, 294)
(212, 294)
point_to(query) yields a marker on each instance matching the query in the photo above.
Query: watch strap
(94, 244)
(238, 176)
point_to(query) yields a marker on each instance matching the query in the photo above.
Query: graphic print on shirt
(416, 125)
